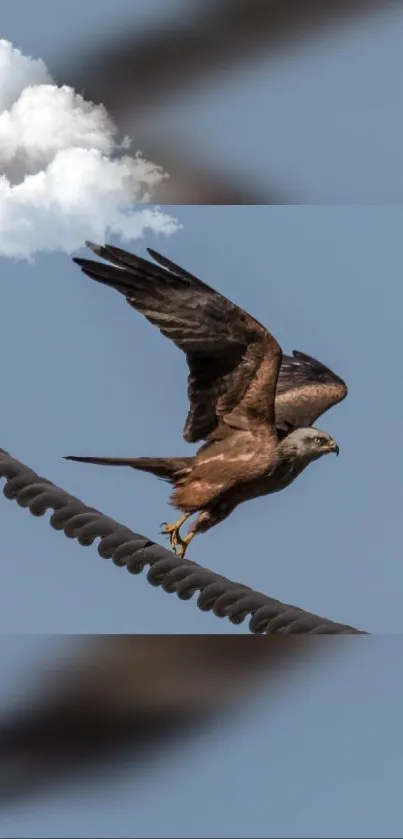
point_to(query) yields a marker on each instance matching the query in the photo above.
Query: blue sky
(82, 373)
(87, 375)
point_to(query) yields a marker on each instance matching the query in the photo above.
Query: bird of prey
(253, 407)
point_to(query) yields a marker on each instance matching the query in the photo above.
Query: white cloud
(64, 175)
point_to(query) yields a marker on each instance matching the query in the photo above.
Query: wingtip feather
(94, 247)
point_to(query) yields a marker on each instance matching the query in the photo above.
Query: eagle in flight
(252, 406)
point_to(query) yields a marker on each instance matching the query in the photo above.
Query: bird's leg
(172, 530)
(205, 520)
(184, 541)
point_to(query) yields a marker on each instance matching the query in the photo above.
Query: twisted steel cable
(117, 542)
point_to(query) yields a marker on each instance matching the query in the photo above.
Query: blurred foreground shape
(113, 699)
(135, 72)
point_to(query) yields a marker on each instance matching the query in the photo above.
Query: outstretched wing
(233, 360)
(305, 390)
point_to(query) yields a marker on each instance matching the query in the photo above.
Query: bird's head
(310, 443)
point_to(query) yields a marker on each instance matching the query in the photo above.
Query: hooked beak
(333, 447)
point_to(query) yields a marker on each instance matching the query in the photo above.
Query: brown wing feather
(256, 407)
(305, 390)
(233, 360)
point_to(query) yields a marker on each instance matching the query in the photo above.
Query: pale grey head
(309, 443)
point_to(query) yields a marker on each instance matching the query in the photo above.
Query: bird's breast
(280, 475)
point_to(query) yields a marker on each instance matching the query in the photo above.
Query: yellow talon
(172, 531)
(183, 543)
(177, 544)
(181, 549)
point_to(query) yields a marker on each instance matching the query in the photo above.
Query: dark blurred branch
(135, 72)
(122, 698)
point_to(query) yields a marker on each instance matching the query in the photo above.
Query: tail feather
(173, 469)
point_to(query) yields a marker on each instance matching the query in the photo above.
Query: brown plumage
(253, 406)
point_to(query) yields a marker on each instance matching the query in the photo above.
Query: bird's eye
(318, 441)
